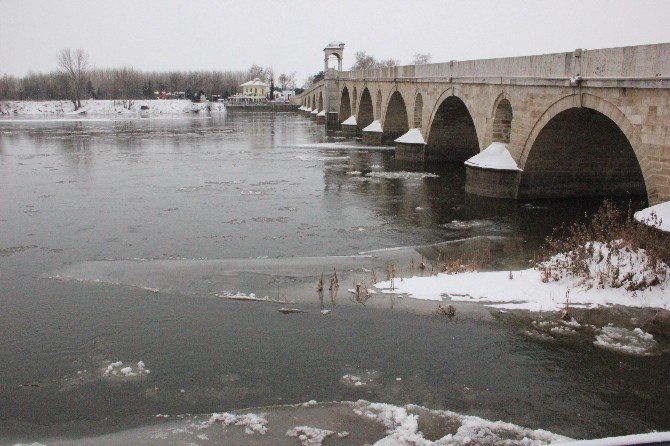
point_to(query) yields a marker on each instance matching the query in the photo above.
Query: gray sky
(290, 35)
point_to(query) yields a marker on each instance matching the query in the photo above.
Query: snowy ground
(526, 289)
(104, 107)
(657, 216)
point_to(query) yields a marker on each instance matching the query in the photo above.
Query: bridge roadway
(581, 123)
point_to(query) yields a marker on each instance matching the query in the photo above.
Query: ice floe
(253, 423)
(310, 436)
(401, 175)
(117, 369)
(402, 424)
(459, 225)
(622, 340)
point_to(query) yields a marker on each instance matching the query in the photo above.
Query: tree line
(74, 80)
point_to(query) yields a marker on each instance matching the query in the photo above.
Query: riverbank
(106, 107)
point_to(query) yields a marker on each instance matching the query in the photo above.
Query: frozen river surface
(118, 239)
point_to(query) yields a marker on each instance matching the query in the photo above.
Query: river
(119, 238)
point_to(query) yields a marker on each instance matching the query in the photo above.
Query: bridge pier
(493, 173)
(372, 138)
(493, 183)
(332, 123)
(372, 134)
(349, 127)
(411, 147)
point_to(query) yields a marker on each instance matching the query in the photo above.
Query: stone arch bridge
(581, 123)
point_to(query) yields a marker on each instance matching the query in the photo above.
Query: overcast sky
(290, 35)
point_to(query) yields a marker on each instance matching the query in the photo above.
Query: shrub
(609, 250)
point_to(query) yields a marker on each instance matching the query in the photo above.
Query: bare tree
(287, 81)
(270, 72)
(119, 83)
(73, 65)
(256, 71)
(363, 61)
(421, 59)
(390, 62)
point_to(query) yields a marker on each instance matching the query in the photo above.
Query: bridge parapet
(634, 62)
(611, 105)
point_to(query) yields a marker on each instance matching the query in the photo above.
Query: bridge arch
(583, 146)
(365, 110)
(502, 117)
(452, 134)
(418, 110)
(320, 101)
(396, 121)
(345, 105)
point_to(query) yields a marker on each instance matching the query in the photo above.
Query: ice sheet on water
(344, 146)
(321, 158)
(359, 422)
(204, 276)
(401, 175)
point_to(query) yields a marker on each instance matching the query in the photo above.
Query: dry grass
(611, 234)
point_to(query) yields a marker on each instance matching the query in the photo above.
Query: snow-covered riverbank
(657, 216)
(106, 107)
(613, 273)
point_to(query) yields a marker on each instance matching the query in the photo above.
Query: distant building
(284, 95)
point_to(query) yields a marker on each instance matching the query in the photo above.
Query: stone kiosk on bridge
(581, 123)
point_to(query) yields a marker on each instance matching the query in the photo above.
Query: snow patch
(133, 108)
(413, 136)
(495, 157)
(351, 120)
(375, 126)
(321, 113)
(528, 291)
(657, 216)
